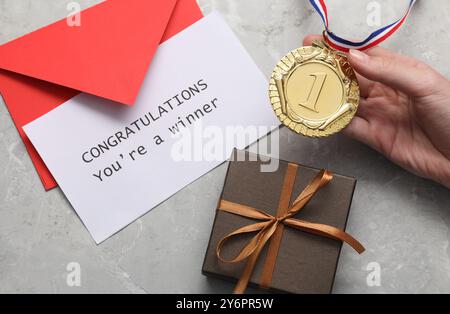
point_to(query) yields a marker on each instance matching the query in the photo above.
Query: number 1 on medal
(314, 93)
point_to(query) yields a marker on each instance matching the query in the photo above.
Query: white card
(91, 145)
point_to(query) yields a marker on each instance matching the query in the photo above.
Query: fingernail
(358, 55)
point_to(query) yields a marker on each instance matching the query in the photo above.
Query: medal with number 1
(314, 90)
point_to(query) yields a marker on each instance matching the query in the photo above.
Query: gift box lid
(306, 263)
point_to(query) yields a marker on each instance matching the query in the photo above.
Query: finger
(359, 129)
(363, 109)
(307, 41)
(365, 85)
(381, 52)
(393, 70)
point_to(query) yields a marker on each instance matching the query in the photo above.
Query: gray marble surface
(403, 220)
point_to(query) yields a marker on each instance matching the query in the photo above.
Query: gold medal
(314, 90)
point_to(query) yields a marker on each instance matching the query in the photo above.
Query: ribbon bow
(271, 227)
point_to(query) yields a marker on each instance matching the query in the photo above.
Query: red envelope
(107, 56)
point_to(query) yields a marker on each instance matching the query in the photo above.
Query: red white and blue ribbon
(372, 40)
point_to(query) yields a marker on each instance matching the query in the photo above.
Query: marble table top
(403, 220)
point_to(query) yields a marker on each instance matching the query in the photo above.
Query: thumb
(405, 74)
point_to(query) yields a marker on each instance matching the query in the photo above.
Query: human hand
(404, 111)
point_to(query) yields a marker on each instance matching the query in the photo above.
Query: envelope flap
(108, 55)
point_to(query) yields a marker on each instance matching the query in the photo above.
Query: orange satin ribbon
(272, 227)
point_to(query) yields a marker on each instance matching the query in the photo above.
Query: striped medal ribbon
(375, 38)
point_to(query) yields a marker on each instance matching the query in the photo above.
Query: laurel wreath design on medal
(345, 84)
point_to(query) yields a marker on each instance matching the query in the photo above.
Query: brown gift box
(306, 263)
